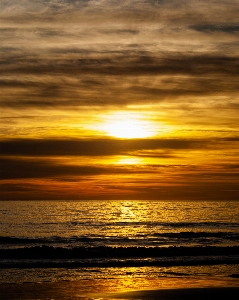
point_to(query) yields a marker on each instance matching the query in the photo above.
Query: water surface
(118, 240)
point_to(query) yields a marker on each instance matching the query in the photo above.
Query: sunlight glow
(129, 161)
(128, 126)
(128, 129)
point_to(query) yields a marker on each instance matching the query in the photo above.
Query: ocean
(55, 241)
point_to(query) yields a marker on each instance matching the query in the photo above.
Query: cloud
(101, 81)
(66, 64)
(140, 9)
(47, 167)
(190, 65)
(33, 168)
(93, 147)
(50, 179)
(116, 53)
(215, 28)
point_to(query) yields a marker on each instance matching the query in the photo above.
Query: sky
(119, 99)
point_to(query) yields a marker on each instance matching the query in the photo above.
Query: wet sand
(44, 293)
(177, 294)
(87, 290)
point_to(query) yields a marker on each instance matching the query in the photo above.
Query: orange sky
(106, 99)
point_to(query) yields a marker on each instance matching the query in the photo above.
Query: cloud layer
(68, 64)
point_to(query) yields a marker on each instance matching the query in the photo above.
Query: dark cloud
(53, 168)
(215, 28)
(120, 31)
(194, 65)
(94, 147)
(35, 168)
(29, 168)
(50, 179)
(140, 10)
(97, 81)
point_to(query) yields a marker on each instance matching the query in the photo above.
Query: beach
(164, 289)
(52, 291)
(185, 294)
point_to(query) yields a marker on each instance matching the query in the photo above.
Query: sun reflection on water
(127, 212)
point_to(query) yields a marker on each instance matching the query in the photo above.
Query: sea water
(70, 240)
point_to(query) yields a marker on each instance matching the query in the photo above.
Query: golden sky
(129, 99)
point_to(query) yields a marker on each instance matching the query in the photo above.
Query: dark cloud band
(93, 147)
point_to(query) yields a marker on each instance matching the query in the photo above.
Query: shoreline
(140, 289)
(179, 293)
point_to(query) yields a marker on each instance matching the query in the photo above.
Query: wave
(183, 235)
(156, 224)
(106, 252)
(58, 257)
(191, 234)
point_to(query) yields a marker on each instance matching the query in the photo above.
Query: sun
(127, 129)
(128, 126)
